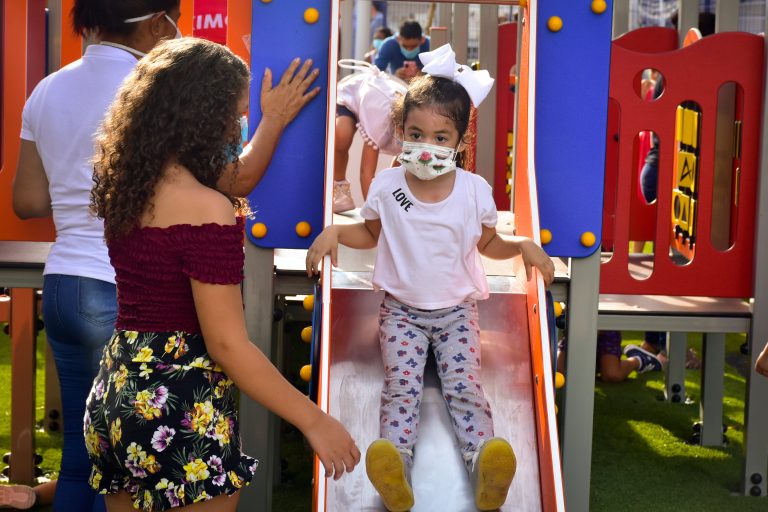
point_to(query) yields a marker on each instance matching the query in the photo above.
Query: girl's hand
(333, 445)
(326, 243)
(289, 96)
(761, 366)
(534, 256)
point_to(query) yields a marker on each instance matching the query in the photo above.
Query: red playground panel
(684, 118)
(641, 226)
(505, 114)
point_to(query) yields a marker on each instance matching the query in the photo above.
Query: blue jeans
(649, 177)
(79, 315)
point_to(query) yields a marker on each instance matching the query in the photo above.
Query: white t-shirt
(427, 254)
(61, 117)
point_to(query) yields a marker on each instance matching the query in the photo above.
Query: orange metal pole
(23, 344)
(238, 26)
(5, 308)
(187, 12)
(16, 30)
(71, 44)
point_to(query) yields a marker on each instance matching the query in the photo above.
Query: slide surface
(356, 377)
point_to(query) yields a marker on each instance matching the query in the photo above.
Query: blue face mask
(410, 54)
(234, 151)
(377, 44)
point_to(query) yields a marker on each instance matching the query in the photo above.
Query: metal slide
(351, 379)
(516, 359)
(439, 478)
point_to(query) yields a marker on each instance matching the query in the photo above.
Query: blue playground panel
(572, 78)
(291, 190)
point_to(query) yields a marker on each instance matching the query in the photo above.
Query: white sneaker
(20, 497)
(342, 197)
(648, 362)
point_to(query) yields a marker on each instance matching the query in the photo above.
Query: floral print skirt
(161, 422)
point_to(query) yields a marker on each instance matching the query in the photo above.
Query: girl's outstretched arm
(220, 312)
(362, 235)
(492, 245)
(279, 106)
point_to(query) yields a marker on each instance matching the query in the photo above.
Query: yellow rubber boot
(386, 471)
(492, 473)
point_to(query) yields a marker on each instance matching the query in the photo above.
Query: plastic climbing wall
(288, 202)
(572, 70)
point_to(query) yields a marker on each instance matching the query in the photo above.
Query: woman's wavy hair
(179, 103)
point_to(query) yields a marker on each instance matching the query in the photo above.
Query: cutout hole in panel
(727, 165)
(649, 84)
(685, 198)
(642, 201)
(646, 153)
(640, 265)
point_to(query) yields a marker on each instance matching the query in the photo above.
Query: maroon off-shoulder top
(153, 267)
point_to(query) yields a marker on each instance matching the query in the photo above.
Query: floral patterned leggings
(405, 336)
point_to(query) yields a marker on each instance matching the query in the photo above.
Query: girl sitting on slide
(431, 220)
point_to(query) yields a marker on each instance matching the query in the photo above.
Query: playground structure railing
(693, 181)
(704, 225)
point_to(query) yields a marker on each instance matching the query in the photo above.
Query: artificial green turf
(294, 493)
(641, 460)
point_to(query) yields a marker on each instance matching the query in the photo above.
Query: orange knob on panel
(555, 23)
(303, 229)
(599, 6)
(259, 230)
(311, 15)
(588, 239)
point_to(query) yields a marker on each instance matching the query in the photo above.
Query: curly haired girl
(161, 422)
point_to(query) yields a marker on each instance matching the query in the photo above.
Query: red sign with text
(210, 20)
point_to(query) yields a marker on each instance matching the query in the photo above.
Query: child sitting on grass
(609, 364)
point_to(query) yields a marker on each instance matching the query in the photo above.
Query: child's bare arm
(279, 106)
(357, 236)
(368, 161)
(492, 245)
(761, 366)
(220, 312)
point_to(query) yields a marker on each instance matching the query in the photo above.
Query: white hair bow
(442, 62)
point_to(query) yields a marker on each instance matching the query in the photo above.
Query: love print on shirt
(402, 199)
